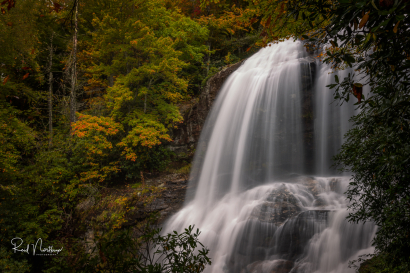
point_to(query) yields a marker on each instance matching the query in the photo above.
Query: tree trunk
(111, 80)
(142, 179)
(145, 104)
(209, 58)
(74, 67)
(50, 96)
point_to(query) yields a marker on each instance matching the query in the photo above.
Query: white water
(257, 211)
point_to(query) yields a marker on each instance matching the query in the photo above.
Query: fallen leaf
(25, 76)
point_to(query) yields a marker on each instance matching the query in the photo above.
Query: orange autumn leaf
(396, 27)
(268, 21)
(386, 3)
(358, 91)
(6, 79)
(26, 76)
(364, 20)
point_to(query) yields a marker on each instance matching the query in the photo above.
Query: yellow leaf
(395, 27)
(364, 20)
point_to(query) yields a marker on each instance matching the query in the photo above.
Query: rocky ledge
(188, 132)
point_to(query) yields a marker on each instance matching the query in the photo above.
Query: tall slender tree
(50, 92)
(73, 94)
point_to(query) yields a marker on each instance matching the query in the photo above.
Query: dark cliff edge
(188, 132)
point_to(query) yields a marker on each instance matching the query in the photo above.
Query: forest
(92, 91)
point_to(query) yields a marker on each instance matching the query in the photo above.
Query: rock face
(279, 206)
(187, 134)
(281, 227)
(277, 266)
(309, 68)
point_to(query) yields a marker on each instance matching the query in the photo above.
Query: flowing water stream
(264, 195)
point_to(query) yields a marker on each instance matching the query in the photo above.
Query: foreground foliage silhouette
(149, 253)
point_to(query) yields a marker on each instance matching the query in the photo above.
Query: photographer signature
(48, 251)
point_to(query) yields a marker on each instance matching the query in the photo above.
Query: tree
(138, 53)
(73, 68)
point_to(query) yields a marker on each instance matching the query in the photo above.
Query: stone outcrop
(309, 68)
(281, 227)
(277, 266)
(188, 132)
(95, 211)
(278, 207)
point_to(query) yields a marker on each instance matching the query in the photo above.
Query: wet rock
(319, 202)
(85, 205)
(89, 242)
(187, 134)
(312, 185)
(278, 207)
(282, 267)
(258, 240)
(276, 266)
(334, 185)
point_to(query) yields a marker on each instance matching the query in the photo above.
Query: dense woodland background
(91, 90)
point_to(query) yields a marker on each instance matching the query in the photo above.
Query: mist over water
(264, 195)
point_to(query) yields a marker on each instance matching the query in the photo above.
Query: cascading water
(256, 210)
(331, 120)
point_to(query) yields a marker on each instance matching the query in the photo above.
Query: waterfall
(262, 191)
